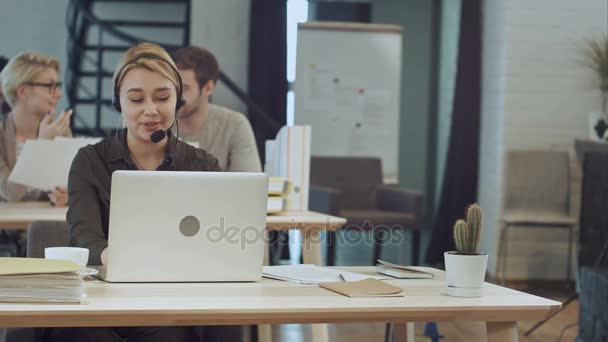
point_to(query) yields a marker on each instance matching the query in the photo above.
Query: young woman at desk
(147, 91)
(31, 88)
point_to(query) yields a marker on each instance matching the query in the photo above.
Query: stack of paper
(278, 191)
(288, 156)
(278, 186)
(311, 274)
(32, 280)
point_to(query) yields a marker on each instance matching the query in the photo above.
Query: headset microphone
(159, 135)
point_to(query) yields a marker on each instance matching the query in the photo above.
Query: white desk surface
(273, 302)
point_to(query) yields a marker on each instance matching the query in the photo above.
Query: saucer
(88, 272)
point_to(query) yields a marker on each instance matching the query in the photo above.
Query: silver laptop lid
(172, 226)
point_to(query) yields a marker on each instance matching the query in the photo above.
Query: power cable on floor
(564, 330)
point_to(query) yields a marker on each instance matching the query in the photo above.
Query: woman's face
(42, 93)
(148, 101)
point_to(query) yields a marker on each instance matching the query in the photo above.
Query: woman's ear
(20, 92)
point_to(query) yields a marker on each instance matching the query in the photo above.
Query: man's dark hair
(200, 60)
(3, 62)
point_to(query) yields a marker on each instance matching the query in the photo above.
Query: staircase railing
(79, 20)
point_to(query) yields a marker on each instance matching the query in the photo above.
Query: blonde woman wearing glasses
(31, 87)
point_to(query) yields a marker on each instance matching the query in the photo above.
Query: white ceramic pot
(465, 274)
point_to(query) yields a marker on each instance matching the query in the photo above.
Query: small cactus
(467, 234)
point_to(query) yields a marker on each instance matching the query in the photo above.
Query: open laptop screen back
(168, 226)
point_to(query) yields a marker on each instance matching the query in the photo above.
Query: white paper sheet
(45, 164)
(312, 274)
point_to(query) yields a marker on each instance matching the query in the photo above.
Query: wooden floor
(452, 331)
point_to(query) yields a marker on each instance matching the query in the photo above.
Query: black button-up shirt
(90, 180)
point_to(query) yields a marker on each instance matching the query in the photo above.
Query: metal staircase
(95, 44)
(99, 31)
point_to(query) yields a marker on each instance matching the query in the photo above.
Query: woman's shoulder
(103, 149)
(102, 143)
(190, 158)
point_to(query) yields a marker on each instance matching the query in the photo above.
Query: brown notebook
(364, 288)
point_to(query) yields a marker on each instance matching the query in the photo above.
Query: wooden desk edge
(54, 318)
(14, 225)
(552, 310)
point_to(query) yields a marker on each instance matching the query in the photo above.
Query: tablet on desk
(401, 272)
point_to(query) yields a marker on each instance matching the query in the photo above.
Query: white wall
(492, 123)
(548, 90)
(34, 25)
(536, 95)
(416, 17)
(222, 27)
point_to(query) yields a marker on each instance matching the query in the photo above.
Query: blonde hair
(137, 57)
(23, 68)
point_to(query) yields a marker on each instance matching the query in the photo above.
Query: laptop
(173, 226)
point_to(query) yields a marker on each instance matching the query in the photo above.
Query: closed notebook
(364, 288)
(278, 186)
(14, 266)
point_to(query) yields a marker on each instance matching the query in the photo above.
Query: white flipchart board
(348, 88)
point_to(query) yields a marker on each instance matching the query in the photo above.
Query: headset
(159, 134)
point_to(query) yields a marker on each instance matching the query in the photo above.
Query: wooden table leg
(265, 330)
(264, 333)
(320, 332)
(311, 253)
(403, 332)
(311, 247)
(502, 331)
(266, 254)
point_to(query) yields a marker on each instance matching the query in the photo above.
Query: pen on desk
(342, 277)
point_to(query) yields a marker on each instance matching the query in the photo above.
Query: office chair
(352, 187)
(537, 194)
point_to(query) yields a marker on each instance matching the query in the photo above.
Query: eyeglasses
(52, 86)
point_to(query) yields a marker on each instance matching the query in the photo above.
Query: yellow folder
(14, 266)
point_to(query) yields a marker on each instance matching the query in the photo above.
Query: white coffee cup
(79, 256)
